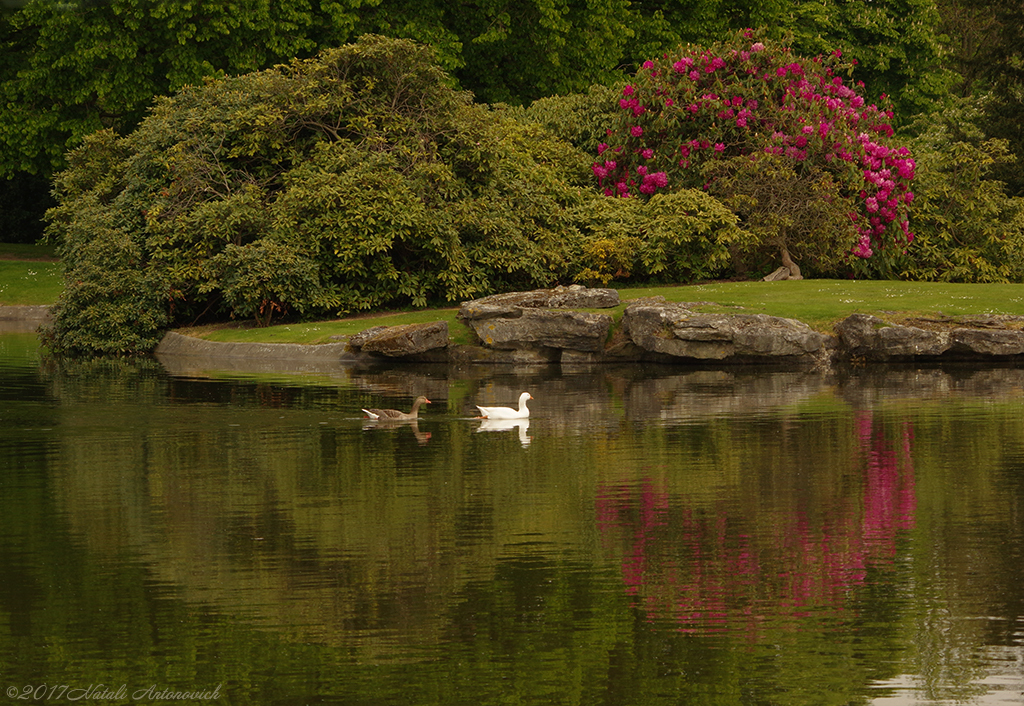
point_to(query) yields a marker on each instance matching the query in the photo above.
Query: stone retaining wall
(546, 327)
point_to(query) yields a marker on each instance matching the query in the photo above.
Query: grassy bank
(819, 303)
(29, 274)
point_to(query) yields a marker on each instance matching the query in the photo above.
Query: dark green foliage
(967, 229)
(578, 118)
(354, 181)
(987, 50)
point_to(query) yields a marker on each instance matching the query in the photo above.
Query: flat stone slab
(548, 328)
(403, 340)
(873, 338)
(675, 330)
(512, 304)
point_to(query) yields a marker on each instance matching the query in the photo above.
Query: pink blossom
(905, 168)
(756, 47)
(719, 147)
(628, 91)
(682, 65)
(601, 147)
(647, 153)
(636, 131)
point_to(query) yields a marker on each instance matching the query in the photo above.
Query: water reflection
(392, 424)
(651, 535)
(763, 558)
(520, 425)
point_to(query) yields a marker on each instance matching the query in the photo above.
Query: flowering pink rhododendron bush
(806, 161)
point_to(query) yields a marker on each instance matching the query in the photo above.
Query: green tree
(895, 43)
(72, 68)
(352, 181)
(967, 229)
(807, 163)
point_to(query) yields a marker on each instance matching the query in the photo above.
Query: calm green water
(651, 536)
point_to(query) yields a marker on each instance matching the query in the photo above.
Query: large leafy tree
(72, 68)
(783, 140)
(355, 180)
(516, 52)
(987, 43)
(895, 43)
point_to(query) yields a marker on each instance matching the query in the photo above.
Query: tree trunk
(787, 262)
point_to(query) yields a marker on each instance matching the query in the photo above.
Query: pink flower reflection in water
(724, 567)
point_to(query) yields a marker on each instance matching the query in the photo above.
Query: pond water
(652, 535)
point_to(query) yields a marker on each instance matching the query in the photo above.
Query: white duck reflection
(505, 424)
(383, 423)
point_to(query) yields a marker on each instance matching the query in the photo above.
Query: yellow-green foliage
(966, 228)
(681, 236)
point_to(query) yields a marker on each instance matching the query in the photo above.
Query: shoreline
(860, 340)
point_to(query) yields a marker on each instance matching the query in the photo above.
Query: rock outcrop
(513, 304)
(541, 319)
(544, 326)
(674, 330)
(871, 338)
(402, 341)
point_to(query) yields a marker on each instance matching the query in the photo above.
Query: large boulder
(550, 328)
(402, 341)
(867, 336)
(970, 337)
(512, 304)
(981, 342)
(674, 330)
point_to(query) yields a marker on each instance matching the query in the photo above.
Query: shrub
(579, 118)
(797, 153)
(682, 236)
(353, 181)
(968, 229)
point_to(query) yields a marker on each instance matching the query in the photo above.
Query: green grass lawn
(29, 281)
(818, 303)
(29, 274)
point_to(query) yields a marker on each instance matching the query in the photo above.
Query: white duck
(394, 414)
(507, 412)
